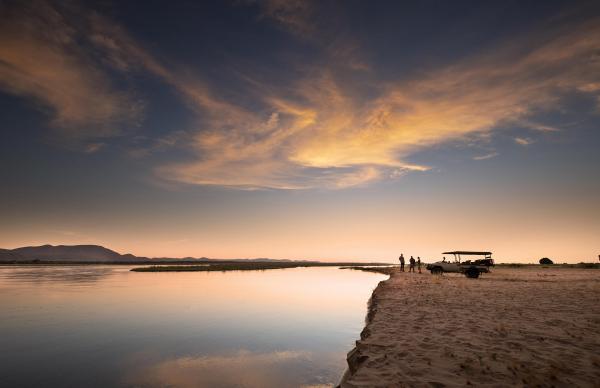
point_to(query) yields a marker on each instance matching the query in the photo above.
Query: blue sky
(329, 130)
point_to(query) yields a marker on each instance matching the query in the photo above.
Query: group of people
(411, 262)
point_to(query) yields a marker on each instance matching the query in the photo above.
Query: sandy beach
(528, 326)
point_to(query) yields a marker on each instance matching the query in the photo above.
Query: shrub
(545, 261)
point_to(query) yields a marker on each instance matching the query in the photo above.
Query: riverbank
(514, 326)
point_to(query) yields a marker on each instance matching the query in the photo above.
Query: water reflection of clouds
(64, 274)
(180, 329)
(241, 369)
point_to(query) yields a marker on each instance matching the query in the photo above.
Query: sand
(512, 327)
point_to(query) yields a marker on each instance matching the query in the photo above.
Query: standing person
(419, 263)
(401, 262)
(412, 265)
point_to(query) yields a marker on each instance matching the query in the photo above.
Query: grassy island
(245, 266)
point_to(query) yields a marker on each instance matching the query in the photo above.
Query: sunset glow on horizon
(302, 130)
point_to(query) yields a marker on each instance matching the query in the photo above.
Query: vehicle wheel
(472, 273)
(437, 271)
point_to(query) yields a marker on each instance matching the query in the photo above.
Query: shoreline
(355, 357)
(515, 326)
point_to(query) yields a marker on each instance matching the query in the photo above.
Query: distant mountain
(9, 255)
(98, 254)
(74, 253)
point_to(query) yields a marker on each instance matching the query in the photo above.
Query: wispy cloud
(303, 20)
(523, 141)
(67, 72)
(326, 128)
(329, 135)
(93, 147)
(296, 16)
(590, 87)
(539, 127)
(41, 57)
(486, 156)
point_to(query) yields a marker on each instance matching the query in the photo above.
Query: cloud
(590, 87)
(324, 129)
(540, 127)
(68, 71)
(297, 16)
(329, 34)
(127, 54)
(93, 147)
(329, 134)
(247, 151)
(486, 156)
(42, 57)
(523, 141)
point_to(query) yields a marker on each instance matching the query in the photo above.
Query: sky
(330, 130)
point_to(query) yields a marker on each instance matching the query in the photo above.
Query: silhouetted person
(412, 265)
(419, 263)
(444, 259)
(401, 262)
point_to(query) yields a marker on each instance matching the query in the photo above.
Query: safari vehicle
(471, 268)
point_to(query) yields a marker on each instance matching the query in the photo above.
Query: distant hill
(9, 255)
(91, 254)
(99, 254)
(62, 253)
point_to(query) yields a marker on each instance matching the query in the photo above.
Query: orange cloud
(319, 131)
(523, 141)
(327, 135)
(54, 70)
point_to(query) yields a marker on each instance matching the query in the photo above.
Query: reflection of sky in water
(102, 326)
(72, 274)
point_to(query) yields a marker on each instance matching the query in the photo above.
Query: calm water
(102, 326)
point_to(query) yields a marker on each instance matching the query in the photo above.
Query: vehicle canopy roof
(467, 253)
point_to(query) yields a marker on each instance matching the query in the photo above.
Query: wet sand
(513, 327)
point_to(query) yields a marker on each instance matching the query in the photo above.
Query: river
(104, 326)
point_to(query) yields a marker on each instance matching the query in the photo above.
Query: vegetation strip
(244, 266)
